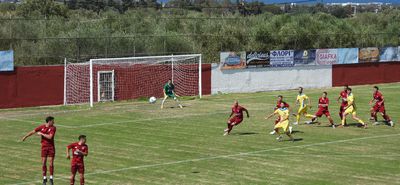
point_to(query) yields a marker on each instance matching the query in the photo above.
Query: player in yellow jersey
(351, 109)
(303, 106)
(283, 124)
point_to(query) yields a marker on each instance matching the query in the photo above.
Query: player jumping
(283, 124)
(303, 106)
(169, 92)
(79, 150)
(47, 132)
(278, 105)
(379, 106)
(342, 99)
(351, 109)
(323, 104)
(236, 117)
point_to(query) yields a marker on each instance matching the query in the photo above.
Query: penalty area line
(224, 156)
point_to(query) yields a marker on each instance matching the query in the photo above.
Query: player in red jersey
(47, 132)
(323, 104)
(342, 99)
(236, 117)
(379, 106)
(278, 105)
(79, 150)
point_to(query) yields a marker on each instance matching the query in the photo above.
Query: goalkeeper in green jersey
(169, 92)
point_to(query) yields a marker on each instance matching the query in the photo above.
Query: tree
(44, 8)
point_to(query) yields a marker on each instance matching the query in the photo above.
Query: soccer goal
(113, 79)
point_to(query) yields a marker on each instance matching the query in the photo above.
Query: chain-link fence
(49, 41)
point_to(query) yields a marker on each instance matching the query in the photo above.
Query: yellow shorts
(282, 125)
(302, 110)
(350, 110)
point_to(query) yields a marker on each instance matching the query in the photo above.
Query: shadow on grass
(297, 132)
(243, 133)
(298, 139)
(175, 107)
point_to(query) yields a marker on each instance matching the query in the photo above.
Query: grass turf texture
(137, 143)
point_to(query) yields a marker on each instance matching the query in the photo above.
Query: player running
(379, 106)
(283, 124)
(323, 104)
(303, 106)
(343, 99)
(278, 105)
(47, 132)
(236, 117)
(169, 92)
(79, 150)
(351, 109)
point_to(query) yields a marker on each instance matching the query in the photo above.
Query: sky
(325, 1)
(336, 1)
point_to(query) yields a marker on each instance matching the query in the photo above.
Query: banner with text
(281, 58)
(347, 55)
(366, 55)
(257, 59)
(388, 54)
(304, 57)
(326, 56)
(232, 60)
(7, 60)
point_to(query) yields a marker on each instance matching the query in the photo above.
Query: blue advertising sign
(347, 55)
(304, 57)
(281, 58)
(232, 60)
(7, 60)
(389, 54)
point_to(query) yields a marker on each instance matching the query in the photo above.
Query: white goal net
(112, 79)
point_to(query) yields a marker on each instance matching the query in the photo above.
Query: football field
(134, 142)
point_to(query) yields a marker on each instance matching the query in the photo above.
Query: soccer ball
(152, 99)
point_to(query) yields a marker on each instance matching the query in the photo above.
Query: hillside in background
(58, 31)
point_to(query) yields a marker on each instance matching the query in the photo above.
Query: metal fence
(37, 41)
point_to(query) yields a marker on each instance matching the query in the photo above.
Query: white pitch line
(46, 113)
(225, 156)
(129, 121)
(150, 119)
(30, 121)
(326, 155)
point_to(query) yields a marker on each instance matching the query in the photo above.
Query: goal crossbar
(181, 69)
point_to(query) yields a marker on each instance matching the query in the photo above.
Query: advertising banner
(388, 54)
(7, 60)
(370, 54)
(348, 55)
(257, 59)
(326, 56)
(281, 58)
(304, 57)
(232, 60)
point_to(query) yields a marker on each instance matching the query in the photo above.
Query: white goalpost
(113, 79)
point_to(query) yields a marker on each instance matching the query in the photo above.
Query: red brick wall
(365, 73)
(32, 86)
(206, 79)
(44, 85)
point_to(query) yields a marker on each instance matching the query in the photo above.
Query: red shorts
(322, 112)
(77, 167)
(277, 120)
(235, 120)
(378, 108)
(48, 151)
(342, 106)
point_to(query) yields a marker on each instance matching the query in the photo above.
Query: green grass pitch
(137, 143)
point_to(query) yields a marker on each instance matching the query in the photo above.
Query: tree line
(46, 31)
